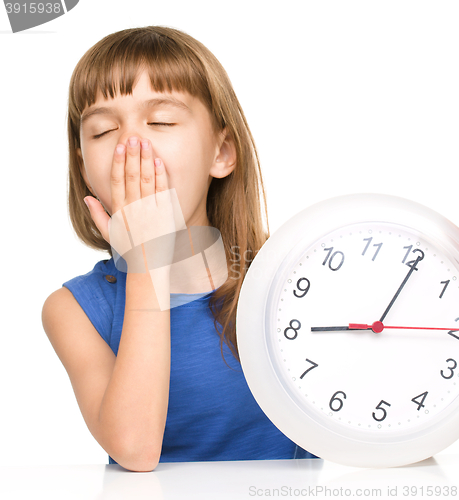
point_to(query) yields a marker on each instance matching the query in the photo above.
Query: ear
(83, 171)
(226, 156)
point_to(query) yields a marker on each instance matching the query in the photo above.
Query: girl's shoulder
(98, 292)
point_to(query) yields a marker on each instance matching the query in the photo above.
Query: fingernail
(120, 149)
(84, 199)
(159, 166)
(133, 141)
(144, 144)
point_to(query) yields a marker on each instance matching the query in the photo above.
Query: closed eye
(103, 133)
(162, 124)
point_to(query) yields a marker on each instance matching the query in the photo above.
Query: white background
(341, 97)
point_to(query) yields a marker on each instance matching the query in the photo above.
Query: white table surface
(231, 480)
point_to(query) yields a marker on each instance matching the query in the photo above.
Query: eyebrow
(158, 101)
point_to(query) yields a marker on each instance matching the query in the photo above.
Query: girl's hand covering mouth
(145, 210)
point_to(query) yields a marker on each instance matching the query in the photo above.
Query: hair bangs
(112, 69)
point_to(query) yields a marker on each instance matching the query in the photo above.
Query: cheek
(189, 154)
(98, 170)
(187, 164)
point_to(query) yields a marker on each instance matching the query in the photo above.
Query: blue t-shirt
(212, 414)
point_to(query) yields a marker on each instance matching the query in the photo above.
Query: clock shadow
(433, 471)
(428, 462)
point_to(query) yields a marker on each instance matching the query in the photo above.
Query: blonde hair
(176, 61)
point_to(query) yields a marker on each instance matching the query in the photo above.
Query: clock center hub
(377, 327)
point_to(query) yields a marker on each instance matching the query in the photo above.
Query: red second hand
(378, 327)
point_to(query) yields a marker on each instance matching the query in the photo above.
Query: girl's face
(180, 130)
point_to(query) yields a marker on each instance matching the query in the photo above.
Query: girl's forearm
(134, 408)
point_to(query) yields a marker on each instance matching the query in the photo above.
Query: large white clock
(348, 330)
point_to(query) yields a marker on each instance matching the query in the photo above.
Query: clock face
(383, 382)
(348, 330)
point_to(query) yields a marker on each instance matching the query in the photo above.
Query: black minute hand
(329, 328)
(413, 268)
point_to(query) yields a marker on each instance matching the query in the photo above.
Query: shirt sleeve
(89, 291)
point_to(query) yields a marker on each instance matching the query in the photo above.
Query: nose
(125, 138)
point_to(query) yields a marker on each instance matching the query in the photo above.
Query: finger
(132, 171)
(117, 178)
(99, 216)
(161, 180)
(147, 169)
(163, 198)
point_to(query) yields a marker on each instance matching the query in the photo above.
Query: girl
(151, 109)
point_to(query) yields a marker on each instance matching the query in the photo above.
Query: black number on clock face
(340, 401)
(314, 365)
(421, 402)
(304, 290)
(450, 368)
(337, 258)
(291, 327)
(446, 283)
(379, 407)
(378, 245)
(412, 263)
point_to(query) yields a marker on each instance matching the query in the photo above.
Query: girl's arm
(123, 399)
(134, 407)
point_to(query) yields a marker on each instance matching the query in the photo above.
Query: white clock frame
(265, 378)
